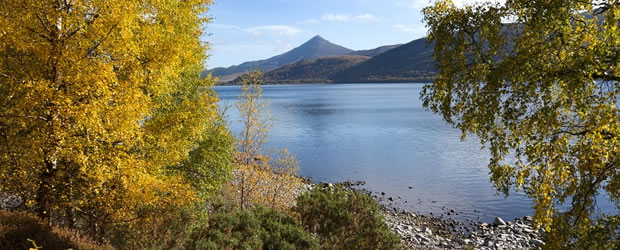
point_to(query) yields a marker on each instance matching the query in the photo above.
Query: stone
(528, 218)
(428, 231)
(488, 242)
(537, 242)
(499, 222)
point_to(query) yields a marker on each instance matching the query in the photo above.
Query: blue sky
(246, 30)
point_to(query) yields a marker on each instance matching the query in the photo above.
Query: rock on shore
(428, 232)
(422, 232)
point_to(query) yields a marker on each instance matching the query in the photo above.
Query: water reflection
(381, 134)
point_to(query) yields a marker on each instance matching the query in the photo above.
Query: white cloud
(409, 28)
(419, 4)
(335, 17)
(413, 4)
(310, 21)
(224, 26)
(365, 17)
(281, 46)
(343, 18)
(282, 30)
(279, 29)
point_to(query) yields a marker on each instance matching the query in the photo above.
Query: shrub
(260, 228)
(344, 218)
(168, 230)
(17, 228)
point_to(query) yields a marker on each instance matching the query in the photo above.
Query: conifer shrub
(345, 219)
(260, 228)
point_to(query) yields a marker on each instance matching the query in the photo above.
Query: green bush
(260, 228)
(343, 218)
(168, 230)
(17, 228)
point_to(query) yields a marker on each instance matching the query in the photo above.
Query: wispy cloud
(336, 17)
(282, 30)
(281, 45)
(365, 17)
(279, 29)
(409, 28)
(413, 4)
(311, 21)
(225, 26)
(343, 18)
(419, 4)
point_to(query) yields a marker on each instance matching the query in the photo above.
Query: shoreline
(419, 231)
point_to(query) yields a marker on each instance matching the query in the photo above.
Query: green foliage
(603, 233)
(105, 123)
(259, 228)
(345, 219)
(169, 230)
(543, 89)
(20, 230)
(210, 164)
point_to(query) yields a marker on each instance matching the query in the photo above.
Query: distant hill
(314, 48)
(374, 52)
(319, 70)
(410, 62)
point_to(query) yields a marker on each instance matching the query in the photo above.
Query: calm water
(381, 134)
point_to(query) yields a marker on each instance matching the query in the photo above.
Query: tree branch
(100, 41)
(24, 116)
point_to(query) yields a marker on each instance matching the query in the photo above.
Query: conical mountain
(314, 48)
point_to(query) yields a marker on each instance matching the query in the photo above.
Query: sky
(248, 30)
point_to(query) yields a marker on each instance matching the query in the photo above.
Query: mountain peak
(317, 37)
(316, 47)
(317, 40)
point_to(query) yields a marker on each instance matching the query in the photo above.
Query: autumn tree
(101, 103)
(260, 178)
(283, 184)
(538, 82)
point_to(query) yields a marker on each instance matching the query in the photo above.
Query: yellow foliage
(259, 179)
(97, 98)
(537, 81)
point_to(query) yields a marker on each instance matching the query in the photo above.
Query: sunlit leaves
(101, 102)
(258, 178)
(541, 91)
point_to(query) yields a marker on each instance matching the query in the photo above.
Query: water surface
(381, 134)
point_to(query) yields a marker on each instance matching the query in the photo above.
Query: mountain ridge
(319, 70)
(375, 51)
(316, 47)
(410, 62)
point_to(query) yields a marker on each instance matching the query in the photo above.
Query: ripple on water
(380, 133)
